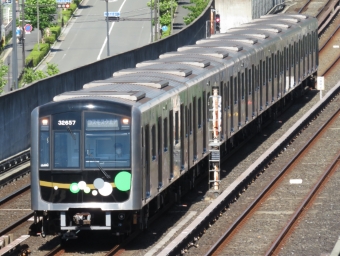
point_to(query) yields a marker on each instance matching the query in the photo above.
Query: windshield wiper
(104, 172)
(70, 131)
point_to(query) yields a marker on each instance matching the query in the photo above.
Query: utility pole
(159, 20)
(151, 22)
(107, 27)
(38, 24)
(23, 36)
(14, 52)
(171, 18)
(156, 29)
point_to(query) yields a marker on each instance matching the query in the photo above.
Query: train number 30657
(66, 122)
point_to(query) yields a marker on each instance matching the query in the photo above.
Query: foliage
(55, 30)
(195, 10)
(164, 10)
(52, 69)
(37, 55)
(3, 72)
(66, 15)
(30, 75)
(47, 11)
(50, 39)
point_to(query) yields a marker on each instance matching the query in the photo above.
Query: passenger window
(153, 142)
(190, 119)
(199, 113)
(165, 139)
(235, 91)
(242, 84)
(176, 128)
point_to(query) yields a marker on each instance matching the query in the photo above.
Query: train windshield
(107, 140)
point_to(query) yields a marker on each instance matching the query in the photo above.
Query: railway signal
(217, 20)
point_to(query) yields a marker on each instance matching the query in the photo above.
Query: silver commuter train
(102, 155)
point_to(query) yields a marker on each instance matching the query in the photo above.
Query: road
(84, 39)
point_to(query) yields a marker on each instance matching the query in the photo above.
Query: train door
(166, 163)
(300, 60)
(242, 118)
(305, 57)
(199, 129)
(160, 152)
(253, 86)
(280, 69)
(190, 135)
(147, 158)
(309, 54)
(248, 99)
(204, 123)
(290, 83)
(195, 128)
(266, 82)
(227, 106)
(285, 68)
(295, 64)
(182, 139)
(273, 94)
(233, 92)
(224, 111)
(154, 160)
(171, 144)
(188, 153)
(261, 85)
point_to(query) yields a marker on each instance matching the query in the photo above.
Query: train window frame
(235, 92)
(176, 127)
(190, 119)
(249, 82)
(165, 134)
(242, 87)
(73, 134)
(45, 165)
(269, 69)
(199, 111)
(153, 142)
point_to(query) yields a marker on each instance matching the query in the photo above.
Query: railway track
(327, 69)
(266, 209)
(112, 254)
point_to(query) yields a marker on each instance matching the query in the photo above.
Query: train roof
(175, 71)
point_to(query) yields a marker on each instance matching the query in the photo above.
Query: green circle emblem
(123, 181)
(74, 187)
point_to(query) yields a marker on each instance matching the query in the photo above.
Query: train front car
(81, 164)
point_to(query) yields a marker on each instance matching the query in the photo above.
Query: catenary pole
(15, 46)
(107, 27)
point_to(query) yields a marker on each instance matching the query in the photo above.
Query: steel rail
(267, 188)
(329, 39)
(58, 250)
(16, 224)
(303, 7)
(14, 194)
(331, 66)
(318, 14)
(304, 204)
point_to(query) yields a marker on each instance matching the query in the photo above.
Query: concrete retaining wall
(236, 12)
(16, 107)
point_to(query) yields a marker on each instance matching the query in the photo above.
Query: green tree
(47, 11)
(164, 10)
(3, 72)
(195, 10)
